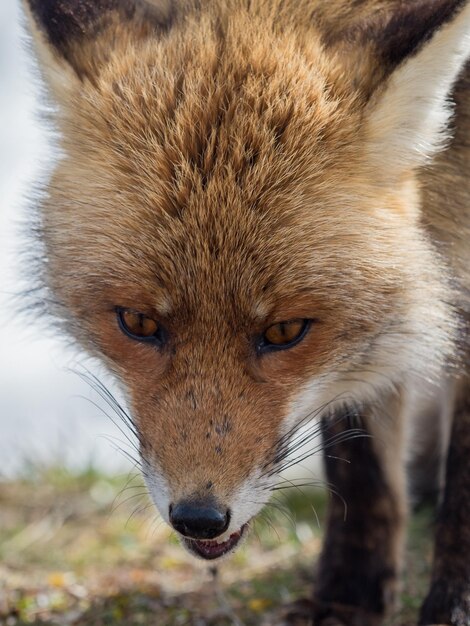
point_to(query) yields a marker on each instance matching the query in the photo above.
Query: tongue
(213, 549)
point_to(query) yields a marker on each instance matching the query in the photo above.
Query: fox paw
(314, 613)
(298, 614)
(447, 604)
(332, 614)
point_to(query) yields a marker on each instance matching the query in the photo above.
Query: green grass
(87, 550)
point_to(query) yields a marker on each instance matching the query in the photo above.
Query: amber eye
(139, 326)
(284, 335)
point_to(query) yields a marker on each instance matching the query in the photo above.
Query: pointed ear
(423, 47)
(81, 34)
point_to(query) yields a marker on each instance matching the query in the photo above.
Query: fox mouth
(211, 549)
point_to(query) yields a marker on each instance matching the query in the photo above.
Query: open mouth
(213, 549)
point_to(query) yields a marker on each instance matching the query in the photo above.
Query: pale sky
(40, 413)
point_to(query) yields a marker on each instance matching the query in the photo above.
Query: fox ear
(82, 33)
(423, 46)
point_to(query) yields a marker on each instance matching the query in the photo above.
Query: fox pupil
(285, 335)
(138, 325)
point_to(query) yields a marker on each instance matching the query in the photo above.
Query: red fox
(261, 217)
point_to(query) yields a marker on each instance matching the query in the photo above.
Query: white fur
(408, 121)
(246, 502)
(158, 488)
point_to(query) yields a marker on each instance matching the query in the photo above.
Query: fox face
(234, 228)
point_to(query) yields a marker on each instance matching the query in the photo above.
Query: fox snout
(203, 519)
(202, 525)
(208, 482)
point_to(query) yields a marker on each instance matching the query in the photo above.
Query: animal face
(224, 231)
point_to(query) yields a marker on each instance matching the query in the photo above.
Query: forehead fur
(179, 134)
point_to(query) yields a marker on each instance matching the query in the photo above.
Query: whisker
(293, 439)
(128, 456)
(135, 495)
(267, 519)
(99, 387)
(154, 524)
(321, 447)
(284, 511)
(138, 510)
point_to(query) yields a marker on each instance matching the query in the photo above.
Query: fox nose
(198, 520)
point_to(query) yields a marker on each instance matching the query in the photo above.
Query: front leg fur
(361, 558)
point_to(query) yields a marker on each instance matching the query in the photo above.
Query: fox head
(234, 222)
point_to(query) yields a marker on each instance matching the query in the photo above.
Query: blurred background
(45, 410)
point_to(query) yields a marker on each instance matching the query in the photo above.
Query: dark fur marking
(398, 30)
(448, 601)
(191, 396)
(410, 27)
(224, 427)
(66, 22)
(69, 20)
(356, 566)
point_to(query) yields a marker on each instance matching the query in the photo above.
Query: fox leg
(448, 601)
(361, 556)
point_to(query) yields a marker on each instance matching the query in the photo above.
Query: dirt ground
(88, 550)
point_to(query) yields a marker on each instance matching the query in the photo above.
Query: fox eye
(139, 326)
(284, 335)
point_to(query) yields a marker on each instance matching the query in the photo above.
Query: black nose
(199, 520)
